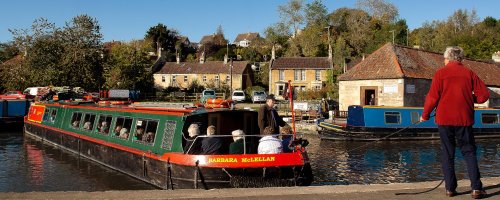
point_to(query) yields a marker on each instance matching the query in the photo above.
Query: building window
(296, 75)
(303, 74)
(281, 90)
(204, 78)
(318, 75)
(228, 78)
(317, 87)
(163, 79)
(282, 75)
(299, 75)
(173, 78)
(185, 78)
(217, 78)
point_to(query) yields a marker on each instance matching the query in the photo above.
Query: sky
(125, 20)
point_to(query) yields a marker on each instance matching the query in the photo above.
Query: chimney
(158, 49)
(330, 53)
(496, 57)
(202, 57)
(363, 57)
(225, 59)
(273, 53)
(178, 58)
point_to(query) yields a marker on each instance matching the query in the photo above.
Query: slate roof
(394, 61)
(248, 36)
(301, 63)
(209, 67)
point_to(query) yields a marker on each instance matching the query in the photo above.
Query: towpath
(372, 192)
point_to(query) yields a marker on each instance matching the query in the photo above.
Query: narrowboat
(12, 111)
(90, 130)
(400, 123)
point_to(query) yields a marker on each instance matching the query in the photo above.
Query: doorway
(369, 95)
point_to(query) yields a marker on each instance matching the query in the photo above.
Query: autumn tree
(291, 14)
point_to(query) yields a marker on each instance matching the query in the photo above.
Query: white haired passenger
(193, 145)
(240, 145)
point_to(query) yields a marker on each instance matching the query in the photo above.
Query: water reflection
(339, 162)
(30, 165)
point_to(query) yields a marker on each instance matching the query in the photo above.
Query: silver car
(259, 96)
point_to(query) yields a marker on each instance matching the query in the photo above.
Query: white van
(32, 92)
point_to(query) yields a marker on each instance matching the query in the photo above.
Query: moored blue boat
(12, 111)
(380, 122)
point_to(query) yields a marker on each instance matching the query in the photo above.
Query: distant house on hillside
(244, 39)
(401, 76)
(206, 73)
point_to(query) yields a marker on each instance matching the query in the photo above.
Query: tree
(379, 9)
(291, 14)
(83, 50)
(316, 13)
(9, 50)
(165, 38)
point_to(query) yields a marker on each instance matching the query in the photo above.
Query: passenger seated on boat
(193, 145)
(269, 144)
(286, 138)
(212, 145)
(238, 147)
(148, 137)
(75, 123)
(86, 125)
(117, 130)
(104, 127)
(124, 133)
(139, 133)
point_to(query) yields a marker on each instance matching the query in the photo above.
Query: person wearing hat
(268, 116)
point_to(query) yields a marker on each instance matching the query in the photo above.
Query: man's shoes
(451, 193)
(478, 194)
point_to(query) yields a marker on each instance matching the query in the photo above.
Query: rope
(387, 136)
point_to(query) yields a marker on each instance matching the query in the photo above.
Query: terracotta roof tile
(209, 67)
(248, 36)
(393, 61)
(302, 63)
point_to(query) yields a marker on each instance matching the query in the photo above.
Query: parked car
(238, 96)
(258, 96)
(207, 94)
(33, 92)
(13, 95)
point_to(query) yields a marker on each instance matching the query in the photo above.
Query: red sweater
(454, 90)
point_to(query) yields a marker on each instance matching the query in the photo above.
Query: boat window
(122, 127)
(489, 118)
(168, 135)
(103, 124)
(53, 115)
(392, 117)
(75, 120)
(46, 115)
(88, 121)
(415, 117)
(145, 131)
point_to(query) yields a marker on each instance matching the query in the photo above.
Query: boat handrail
(299, 135)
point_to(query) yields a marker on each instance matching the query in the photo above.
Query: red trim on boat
(213, 161)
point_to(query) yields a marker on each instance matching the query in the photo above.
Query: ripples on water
(392, 161)
(30, 165)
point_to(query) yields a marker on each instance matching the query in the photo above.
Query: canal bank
(373, 191)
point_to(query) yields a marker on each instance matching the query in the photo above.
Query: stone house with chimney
(401, 76)
(206, 73)
(244, 39)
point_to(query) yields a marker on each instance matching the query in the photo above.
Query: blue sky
(125, 20)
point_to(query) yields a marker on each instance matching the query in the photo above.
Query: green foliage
(7, 51)
(161, 35)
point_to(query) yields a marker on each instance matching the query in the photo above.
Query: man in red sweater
(453, 92)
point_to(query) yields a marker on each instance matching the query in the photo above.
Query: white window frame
(318, 75)
(281, 74)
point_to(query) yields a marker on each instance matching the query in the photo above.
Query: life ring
(119, 102)
(220, 103)
(214, 101)
(104, 102)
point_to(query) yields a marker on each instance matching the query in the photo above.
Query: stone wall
(210, 79)
(389, 92)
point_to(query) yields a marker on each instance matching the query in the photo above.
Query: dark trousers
(449, 136)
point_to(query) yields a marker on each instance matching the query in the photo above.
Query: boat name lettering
(259, 159)
(245, 160)
(222, 160)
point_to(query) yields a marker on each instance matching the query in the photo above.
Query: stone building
(305, 73)
(401, 76)
(206, 73)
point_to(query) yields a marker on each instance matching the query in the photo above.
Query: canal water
(29, 165)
